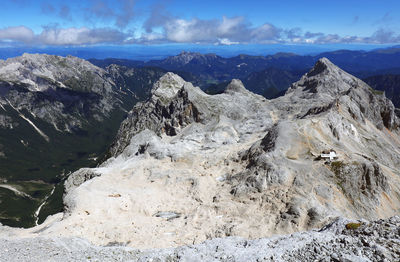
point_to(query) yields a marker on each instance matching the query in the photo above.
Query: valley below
(56, 116)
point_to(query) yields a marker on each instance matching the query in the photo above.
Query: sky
(198, 22)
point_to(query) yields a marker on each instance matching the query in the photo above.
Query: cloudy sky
(214, 22)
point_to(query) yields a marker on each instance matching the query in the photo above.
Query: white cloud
(224, 31)
(80, 36)
(228, 26)
(237, 30)
(17, 33)
(378, 37)
(226, 41)
(62, 36)
(231, 30)
(163, 27)
(265, 33)
(122, 12)
(180, 30)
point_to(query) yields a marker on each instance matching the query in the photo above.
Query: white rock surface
(28, 68)
(376, 241)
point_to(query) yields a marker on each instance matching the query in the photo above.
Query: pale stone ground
(376, 241)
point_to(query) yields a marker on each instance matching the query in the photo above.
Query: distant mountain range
(360, 62)
(263, 74)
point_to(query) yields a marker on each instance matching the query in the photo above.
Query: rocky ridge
(57, 90)
(187, 167)
(65, 90)
(185, 58)
(168, 109)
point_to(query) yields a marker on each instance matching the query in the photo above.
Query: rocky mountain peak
(323, 66)
(235, 86)
(195, 54)
(53, 87)
(38, 70)
(186, 57)
(186, 53)
(167, 86)
(326, 87)
(325, 79)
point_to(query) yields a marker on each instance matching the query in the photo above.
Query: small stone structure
(329, 154)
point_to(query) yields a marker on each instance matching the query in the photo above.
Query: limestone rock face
(361, 181)
(236, 164)
(168, 110)
(327, 86)
(67, 92)
(57, 90)
(78, 178)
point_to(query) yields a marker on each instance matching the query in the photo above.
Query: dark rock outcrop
(162, 114)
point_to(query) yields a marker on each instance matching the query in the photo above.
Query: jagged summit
(172, 85)
(167, 86)
(195, 54)
(235, 85)
(176, 103)
(50, 86)
(325, 78)
(326, 87)
(41, 59)
(185, 58)
(323, 66)
(41, 71)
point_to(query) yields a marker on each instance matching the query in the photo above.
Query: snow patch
(40, 132)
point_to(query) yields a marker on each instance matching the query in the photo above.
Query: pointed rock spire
(235, 86)
(325, 78)
(323, 65)
(167, 86)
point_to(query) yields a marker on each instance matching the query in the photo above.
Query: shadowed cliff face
(167, 112)
(388, 83)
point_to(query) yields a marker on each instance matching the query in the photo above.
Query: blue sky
(205, 22)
